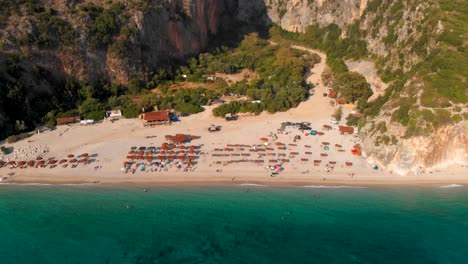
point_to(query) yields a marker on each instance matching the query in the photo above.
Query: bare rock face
(447, 146)
(297, 15)
(161, 32)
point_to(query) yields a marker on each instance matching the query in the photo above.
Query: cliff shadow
(240, 18)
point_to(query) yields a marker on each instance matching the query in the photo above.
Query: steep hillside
(420, 51)
(91, 47)
(116, 40)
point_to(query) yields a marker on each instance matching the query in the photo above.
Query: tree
(135, 86)
(92, 109)
(20, 126)
(338, 113)
(131, 110)
(353, 86)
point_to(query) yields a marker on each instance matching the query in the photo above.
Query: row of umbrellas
(162, 157)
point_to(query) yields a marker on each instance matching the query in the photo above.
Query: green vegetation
(279, 87)
(43, 96)
(442, 69)
(338, 113)
(352, 86)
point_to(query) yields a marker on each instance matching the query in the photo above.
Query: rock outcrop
(447, 146)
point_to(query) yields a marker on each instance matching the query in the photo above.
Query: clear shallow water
(245, 224)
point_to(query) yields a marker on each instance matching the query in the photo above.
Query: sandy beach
(108, 143)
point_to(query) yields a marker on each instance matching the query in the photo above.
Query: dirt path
(317, 106)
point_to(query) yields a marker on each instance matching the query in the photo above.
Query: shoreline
(248, 150)
(227, 182)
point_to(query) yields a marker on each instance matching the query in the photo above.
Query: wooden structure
(155, 118)
(346, 130)
(67, 120)
(332, 94)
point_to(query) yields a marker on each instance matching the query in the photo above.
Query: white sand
(112, 141)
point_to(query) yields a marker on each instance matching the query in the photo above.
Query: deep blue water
(245, 224)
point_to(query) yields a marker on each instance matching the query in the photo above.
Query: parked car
(230, 117)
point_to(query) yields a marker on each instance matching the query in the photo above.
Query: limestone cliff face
(163, 36)
(160, 32)
(447, 146)
(297, 15)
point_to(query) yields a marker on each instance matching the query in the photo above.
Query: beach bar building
(114, 114)
(67, 120)
(155, 118)
(346, 130)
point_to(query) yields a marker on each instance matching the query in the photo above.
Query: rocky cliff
(297, 15)
(141, 36)
(419, 47)
(420, 50)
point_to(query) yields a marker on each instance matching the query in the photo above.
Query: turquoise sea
(243, 224)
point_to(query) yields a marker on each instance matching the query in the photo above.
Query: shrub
(15, 138)
(134, 86)
(92, 109)
(131, 110)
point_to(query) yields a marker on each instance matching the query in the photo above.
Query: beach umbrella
(313, 132)
(131, 157)
(181, 157)
(21, 163)
(161, 157)
(167, 136)
(164, 147)
(70, 156)
(171, 157)
(84, 155)
(264, 139)
(31, 163)
(62, 161)
(171, 152)
(192, 137)
(181, 147)
(83, 161)
(11, 162)
(131, 152)
(73, 161)
(39, 158)
(149, 158)
(52, 161)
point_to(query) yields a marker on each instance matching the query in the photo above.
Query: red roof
(346, 129)
(156, 116)
(67, 120)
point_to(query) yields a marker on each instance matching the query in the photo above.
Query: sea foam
(332, 186)
(452, 186)
(252, 184)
